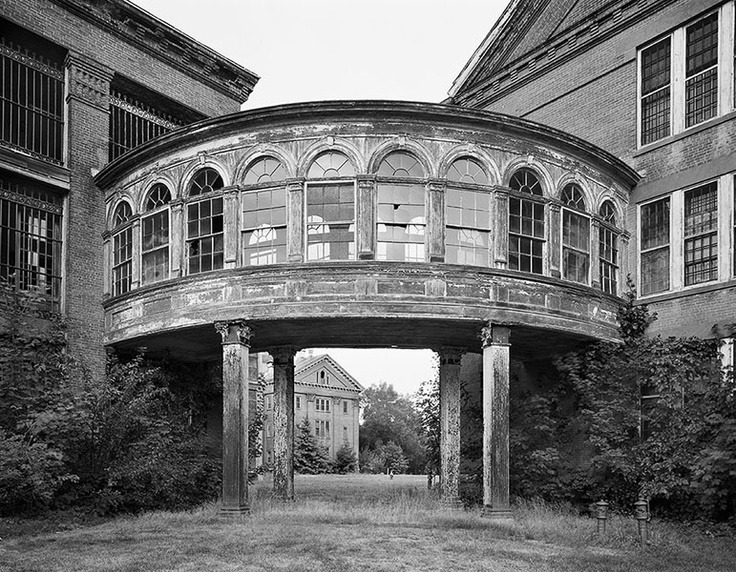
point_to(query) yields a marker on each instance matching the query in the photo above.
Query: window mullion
(677, 97)
(677, 240)
(726, 58)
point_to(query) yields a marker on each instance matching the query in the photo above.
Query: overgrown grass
(358, 522)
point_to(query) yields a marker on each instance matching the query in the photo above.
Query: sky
(313, 50)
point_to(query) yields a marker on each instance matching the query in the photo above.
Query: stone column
(450, 425)
(496, 421)
(283, 422)
(177, 239)
(365, 219)
(231, 209)
(235, 353)
(595, 253)
(501, 229)
(435, 213)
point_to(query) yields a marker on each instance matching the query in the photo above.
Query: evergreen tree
(309, 456)
(345, 459)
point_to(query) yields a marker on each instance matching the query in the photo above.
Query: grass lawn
(356, 522)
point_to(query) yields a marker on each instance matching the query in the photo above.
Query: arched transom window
(401, 217)
(467, 214)
(575, 235)
(122, 250)
(608, 248)
(330, 209)
(205, 223)
(155, 235)
(264, 214)
(526, 223)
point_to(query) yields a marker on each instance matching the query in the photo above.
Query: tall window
(467, 214)
(575, 236)
(331, 209)
(264, 214)
(655, 91)
(322, 405)
(526, 223)
(30, 238)
(32, 101)
(608, 248)
(701, 70)
(205, 224)
(155, 235)
(122, 241)
(655, 247)
(701, 234)
(401, 216)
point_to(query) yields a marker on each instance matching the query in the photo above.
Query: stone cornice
(560, 48)
(166, 43)
(351, 111)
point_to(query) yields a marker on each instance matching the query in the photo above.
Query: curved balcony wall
(364, 224)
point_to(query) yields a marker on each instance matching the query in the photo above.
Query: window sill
(649, 147)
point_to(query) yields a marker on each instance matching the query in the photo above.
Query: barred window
(655, 91)
(608, 249)
(701, 70)
(526, 223)
(655, 247)
(30, 238)
(155, 235)
(575, 236)
(264, 215)
(205, 224)
(122, 265)
(32, 100)
(701, 234)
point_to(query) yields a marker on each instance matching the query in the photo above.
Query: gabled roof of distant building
(161, 40)
(529, 31)
(316, 362)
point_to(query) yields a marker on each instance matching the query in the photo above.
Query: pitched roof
(524, 26)
(313, 363)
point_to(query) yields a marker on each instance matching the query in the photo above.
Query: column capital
(283, 355)
(234, 332)
(450, 355)
(89, 80)
(366, 181)
(295, 184)
(436, 184)
(495, 335)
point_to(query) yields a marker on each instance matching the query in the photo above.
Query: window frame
(212, 195)
(668, 245)
(156, 211)
(577, 213)
(123, 230)
(713, 232)
(535, 200)
(608, 229)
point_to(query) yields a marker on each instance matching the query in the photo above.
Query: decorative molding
(495, 335)
(234, 332)
(89, 81)
(283, 355)
(30, 60)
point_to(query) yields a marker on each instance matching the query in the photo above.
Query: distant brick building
(653, 83)
(328, 397)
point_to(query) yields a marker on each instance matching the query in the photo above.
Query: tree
(427, 404)
(309, 456)
(345, 459)
(382, 458)
(388, 416)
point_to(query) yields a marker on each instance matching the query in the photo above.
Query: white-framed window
(701, 234)
(155, 235)
(122, 250)
(526, 223)
(264, 214)
(575, 235)
(654, 246)
(321, 404)
(345, 406)
(686, 77)
(467, 214)
(205, 223)
(322, 428)
(608, 248)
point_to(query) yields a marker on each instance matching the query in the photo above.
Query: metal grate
(30, 240)
(32, 97)
(132, 123)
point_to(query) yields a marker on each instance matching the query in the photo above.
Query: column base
(500, 514)
(452, 503)
(234, 510)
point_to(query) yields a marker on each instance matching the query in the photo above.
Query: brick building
(328, 397)
(652, 82)
(83, 83)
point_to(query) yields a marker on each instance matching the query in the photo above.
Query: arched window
(467, 214)
(205, 223)
(401, 219)
(264, 214)
(575, 235)
(122, 250)
(330, 209)
(155, 235)
(205, 181)
(467, 170)
(265, 170)
(526, 223)
(331, 165)
(608, 248)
